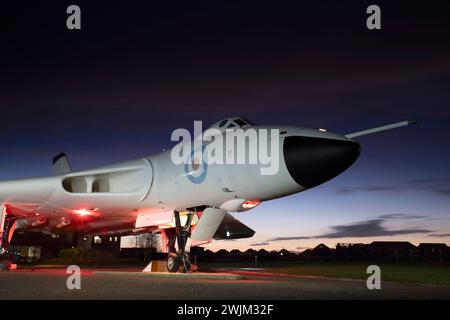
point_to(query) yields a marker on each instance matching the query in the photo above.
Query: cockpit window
(240, 122)
(232, 123)
(222, 123)
(249, 122)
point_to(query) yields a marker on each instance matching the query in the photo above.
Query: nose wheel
(174, 262)
(180, 258)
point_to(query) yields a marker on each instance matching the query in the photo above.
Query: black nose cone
(312, 161)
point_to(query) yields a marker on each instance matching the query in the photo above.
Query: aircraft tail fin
(61, 164)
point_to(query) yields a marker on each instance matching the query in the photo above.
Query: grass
(405, 273)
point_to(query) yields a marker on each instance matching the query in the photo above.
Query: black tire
(173, 262)
(5, 265)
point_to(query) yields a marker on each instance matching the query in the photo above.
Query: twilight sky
(116, 89)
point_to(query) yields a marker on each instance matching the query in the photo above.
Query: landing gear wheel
(5, 265)
(173, 262)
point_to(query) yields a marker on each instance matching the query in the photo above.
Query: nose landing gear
(180, 258)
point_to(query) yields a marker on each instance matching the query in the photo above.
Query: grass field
(412, 273)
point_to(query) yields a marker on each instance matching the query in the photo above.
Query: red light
(83, 212)
(249, 204)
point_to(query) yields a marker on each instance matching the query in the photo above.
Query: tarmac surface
(50, 283)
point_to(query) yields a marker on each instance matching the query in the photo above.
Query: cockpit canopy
(231, 123)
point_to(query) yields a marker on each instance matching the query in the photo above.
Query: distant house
(236, 254)
(321, 251)
(222, 253)
(434, 252)
(352, 251)
(208, 254)
(274, 254)
(284, 253)
(250, 253)
(376, 251)
(262, 253)
(393, 250)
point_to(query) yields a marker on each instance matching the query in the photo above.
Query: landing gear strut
(3, 230)
(180, 258)
(7, 227)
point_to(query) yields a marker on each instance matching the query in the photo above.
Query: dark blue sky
(116, 89)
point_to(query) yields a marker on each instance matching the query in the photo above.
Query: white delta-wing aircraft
(181, 201)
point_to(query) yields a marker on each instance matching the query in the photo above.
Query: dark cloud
(437, 186)
(440, 186)
(370, 228)
(440, 235)
(258, 244)
(402, 216)
(363, 229)
(291, 238)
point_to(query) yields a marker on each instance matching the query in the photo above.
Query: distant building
(285, 253)
(250, 253)
(392, 250)
(221, 254)
(235, 254)
(321, 251)
(438, 252)
(209, 254)
(352, 251)
(49, 245)
(262, 253)
(104, 243)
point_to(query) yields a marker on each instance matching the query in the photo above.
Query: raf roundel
(195, 168)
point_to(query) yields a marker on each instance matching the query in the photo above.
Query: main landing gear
(180, 258)
(7, 227)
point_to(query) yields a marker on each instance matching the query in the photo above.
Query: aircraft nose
(312, 161)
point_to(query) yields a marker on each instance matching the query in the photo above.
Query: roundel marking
(196, 172)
